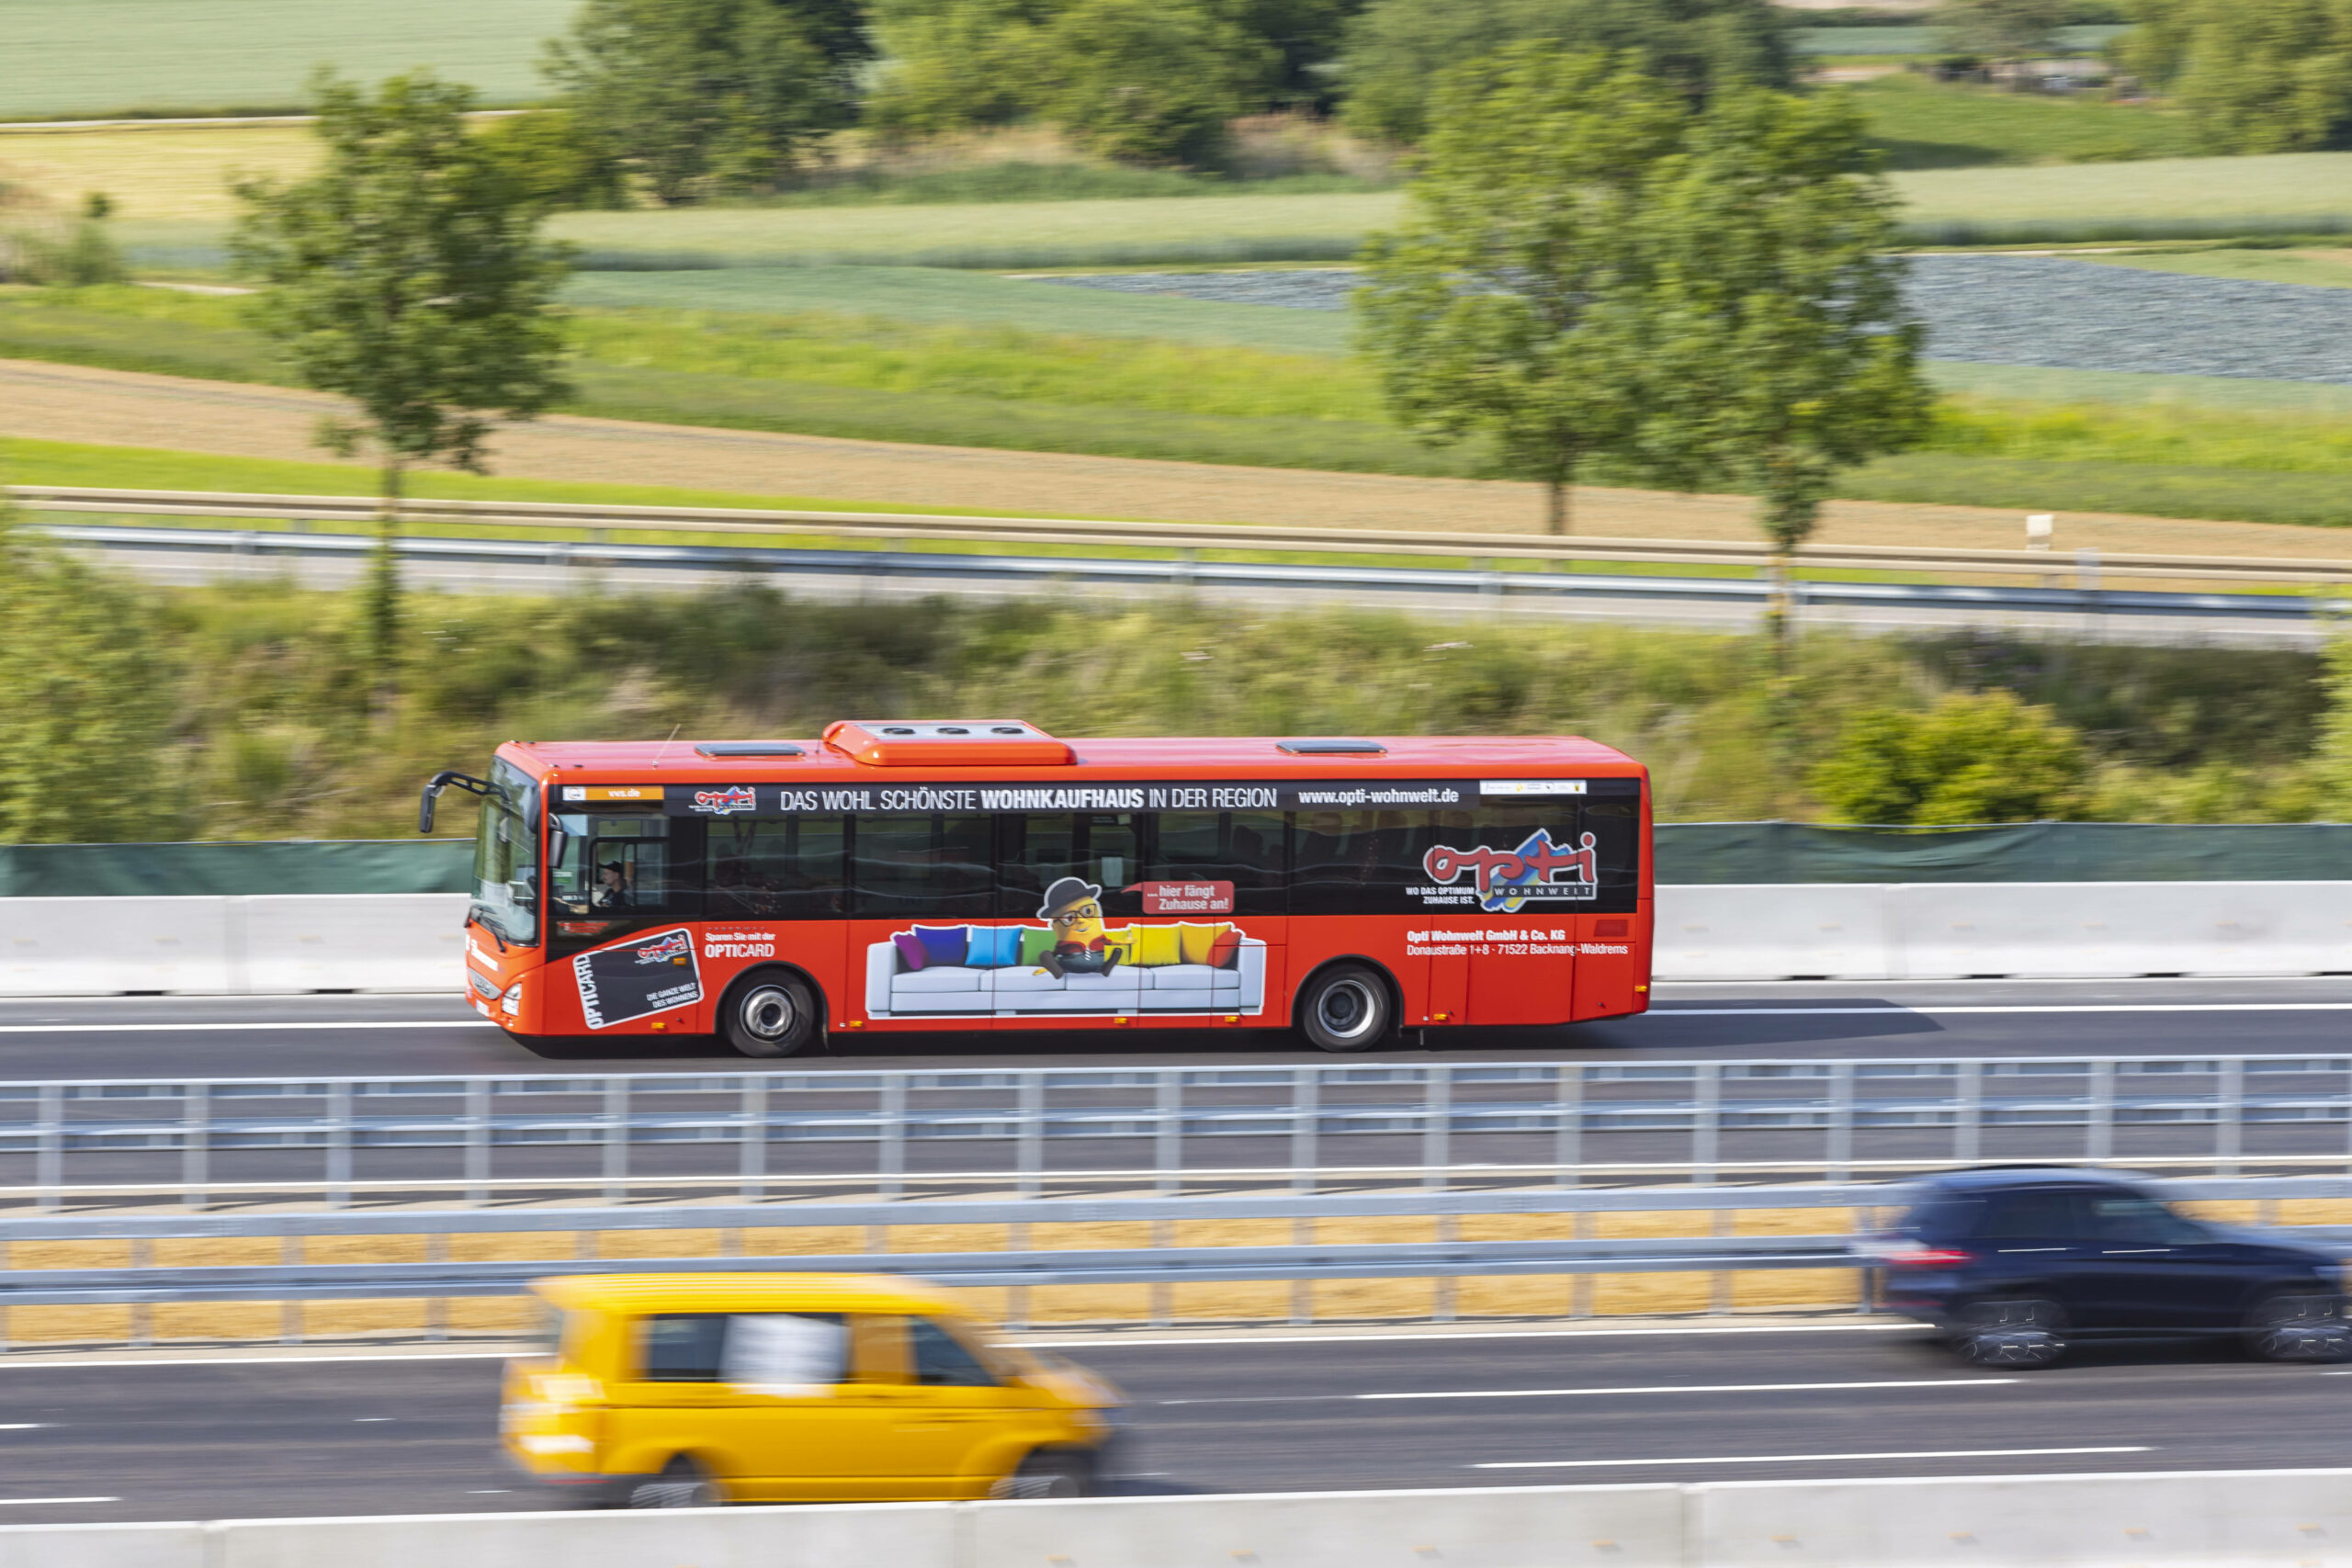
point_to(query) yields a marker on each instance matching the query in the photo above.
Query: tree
(85, 701)
(1984, 758)
(2253, 76)
(557, 164)
(408, 276)
(1504, 303)
(1396, 49)
(703, 98)
(1149, 80)
(1780, 347)
(957, 64)
(2001, 29)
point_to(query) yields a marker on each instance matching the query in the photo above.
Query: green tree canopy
(1396, 49)
(1984, 758)
(1778, 346)
(701, 98)
(2253, 76)
(1149, 81)
(1506, 302)
(1140, 81)
(408, 276)
(2001, 29)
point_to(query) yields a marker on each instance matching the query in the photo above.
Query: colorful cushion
(1156, 946)
(1198, 941)
(944, 944)
(1226, 951)
(1035, 942)
(994, 947)
(912, 955)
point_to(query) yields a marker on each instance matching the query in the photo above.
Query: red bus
(902, 877)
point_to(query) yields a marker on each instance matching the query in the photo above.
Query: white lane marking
(2015, 1007)
(1235, 1341)
(1697, 1388)
(7, 1363)
(40, 1502)
(1576, 1393)
(1799, 1459)
(23, 1425)
(226, 1028)
(363, 1420)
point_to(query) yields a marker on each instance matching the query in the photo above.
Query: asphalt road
(147, 1037)
(252, 1437)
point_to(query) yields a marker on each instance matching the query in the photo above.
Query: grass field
(98, 58)
(2322, 267)
(2182, 197)
(176, 173)
(1931, 125)
(937, 295)
(2072, 441)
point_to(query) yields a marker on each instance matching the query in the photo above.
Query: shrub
(1983, 758)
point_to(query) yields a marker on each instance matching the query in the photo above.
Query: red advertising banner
(1186, 897)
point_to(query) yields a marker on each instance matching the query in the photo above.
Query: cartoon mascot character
(1074, 910)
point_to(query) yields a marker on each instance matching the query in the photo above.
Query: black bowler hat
(1067, 894)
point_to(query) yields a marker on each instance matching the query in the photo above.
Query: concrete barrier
(414, 941)
(1927, 930)
(2279, 1518)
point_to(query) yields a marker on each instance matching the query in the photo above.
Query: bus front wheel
(1346, 1007)
(769, 1012)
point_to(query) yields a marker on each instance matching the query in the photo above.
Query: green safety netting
(1687, 852)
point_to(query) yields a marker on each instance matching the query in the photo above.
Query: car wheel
(770, 1012)
(1049, 1475)
(2021, 1333)
(683, 1483)
(2285, 1327)
(1346, 1007)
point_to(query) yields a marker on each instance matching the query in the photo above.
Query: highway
(262, 1433)
(146, 1037)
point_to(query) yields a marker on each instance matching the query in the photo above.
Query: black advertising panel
(650, 973)
(1155, 795)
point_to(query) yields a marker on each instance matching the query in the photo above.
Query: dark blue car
(2013, 1264)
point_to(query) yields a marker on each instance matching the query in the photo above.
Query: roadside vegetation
(253, 717)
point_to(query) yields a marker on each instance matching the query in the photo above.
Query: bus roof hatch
(955, 742)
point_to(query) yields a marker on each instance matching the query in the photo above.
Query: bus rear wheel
(1346, 1007)
(769, 1012)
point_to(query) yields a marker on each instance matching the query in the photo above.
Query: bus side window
(1358, 862)
(938, 866)
(768, 869)
(1616, 827)
(619, 865)
(1245, 848)
(1036, 849)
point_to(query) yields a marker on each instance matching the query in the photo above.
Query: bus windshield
(505, 891)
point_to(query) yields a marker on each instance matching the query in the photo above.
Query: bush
(44, 253)
(1983, 758)
(1149, 80)
(552, 155)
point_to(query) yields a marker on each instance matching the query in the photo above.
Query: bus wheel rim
(767, 1012)
(1346, 1008)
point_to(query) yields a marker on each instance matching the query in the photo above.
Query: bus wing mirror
(441, 781)
(559, 844)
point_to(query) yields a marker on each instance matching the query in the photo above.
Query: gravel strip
(2039, 310)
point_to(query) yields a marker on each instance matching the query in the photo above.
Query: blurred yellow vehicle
(679, 1390)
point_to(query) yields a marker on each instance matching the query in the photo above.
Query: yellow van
(681, 1390)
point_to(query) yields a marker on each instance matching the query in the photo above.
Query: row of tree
(1595, 269)
(694, 99)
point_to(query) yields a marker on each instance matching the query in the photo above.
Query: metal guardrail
(1441, 1258)
(946, 568)
(2088, 566)
(1302, 1127)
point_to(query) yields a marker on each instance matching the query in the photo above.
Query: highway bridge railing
(1168, 1129)
(2277, 613)
(2084, 568)
(736, 1230)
